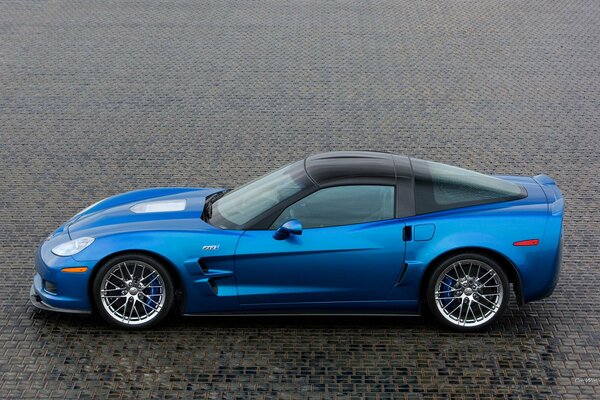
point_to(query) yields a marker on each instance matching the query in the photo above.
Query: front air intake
(50, 287)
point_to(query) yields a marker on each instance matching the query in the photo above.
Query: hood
(141, 210)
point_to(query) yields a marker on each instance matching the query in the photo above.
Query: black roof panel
(356, 167)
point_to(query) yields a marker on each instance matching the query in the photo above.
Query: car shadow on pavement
(517, 319)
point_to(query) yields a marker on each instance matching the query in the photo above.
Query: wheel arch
(505, 263)
(174, 273)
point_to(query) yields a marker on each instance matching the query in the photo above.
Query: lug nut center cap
(468, 291)
(133, 291)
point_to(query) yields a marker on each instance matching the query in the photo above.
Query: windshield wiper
(207, 212)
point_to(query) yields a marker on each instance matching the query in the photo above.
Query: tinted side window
(341, 205)
(442, 187)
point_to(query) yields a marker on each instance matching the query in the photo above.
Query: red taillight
(529, 242)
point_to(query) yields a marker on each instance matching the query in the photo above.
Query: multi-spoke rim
(132, 292)
(469, 293)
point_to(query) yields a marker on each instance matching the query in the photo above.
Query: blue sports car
(335, 233)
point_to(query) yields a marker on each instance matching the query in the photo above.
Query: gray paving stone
(101, 97)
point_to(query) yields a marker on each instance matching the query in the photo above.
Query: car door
(350, 249)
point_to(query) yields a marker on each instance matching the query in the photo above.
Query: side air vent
(213, 286)
(203, 265)
(404, 268)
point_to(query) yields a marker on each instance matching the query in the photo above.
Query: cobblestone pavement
(101, 97)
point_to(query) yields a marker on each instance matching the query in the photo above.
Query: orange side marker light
(74, 269)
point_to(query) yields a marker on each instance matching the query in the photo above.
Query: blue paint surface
(360, 267)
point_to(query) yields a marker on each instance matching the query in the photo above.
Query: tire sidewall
(169, 290)
(430, 295)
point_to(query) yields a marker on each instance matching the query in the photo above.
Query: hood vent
(159, 206)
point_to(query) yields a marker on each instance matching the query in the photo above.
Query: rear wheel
(133, 291)
(468, 292)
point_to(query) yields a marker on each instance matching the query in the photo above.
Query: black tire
(156, 304)
(475, 294)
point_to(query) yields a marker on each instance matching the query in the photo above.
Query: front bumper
(37, 301)
(71, 290)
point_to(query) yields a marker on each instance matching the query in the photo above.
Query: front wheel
(133, 291)
(468, 292)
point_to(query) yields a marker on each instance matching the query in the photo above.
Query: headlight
(72, 247)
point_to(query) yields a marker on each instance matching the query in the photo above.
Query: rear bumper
(544, 282)
(551, 275)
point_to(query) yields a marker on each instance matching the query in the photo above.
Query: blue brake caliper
(447, 298)
(153, 294)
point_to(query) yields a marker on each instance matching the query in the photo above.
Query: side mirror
(291, 227)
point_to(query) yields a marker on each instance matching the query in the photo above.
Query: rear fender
(491, 230)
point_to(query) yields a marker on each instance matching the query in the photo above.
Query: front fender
(182, 250)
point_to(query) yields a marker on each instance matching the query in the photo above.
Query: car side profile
(351, 232)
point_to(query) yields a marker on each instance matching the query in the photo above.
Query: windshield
(237, 208)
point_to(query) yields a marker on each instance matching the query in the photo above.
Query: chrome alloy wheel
(132, 292)
(468, 293)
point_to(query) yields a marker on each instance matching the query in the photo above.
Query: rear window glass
(442, 187)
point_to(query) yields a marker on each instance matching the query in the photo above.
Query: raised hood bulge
(148, 209)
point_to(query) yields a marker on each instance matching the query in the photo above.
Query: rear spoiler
(556, 202)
